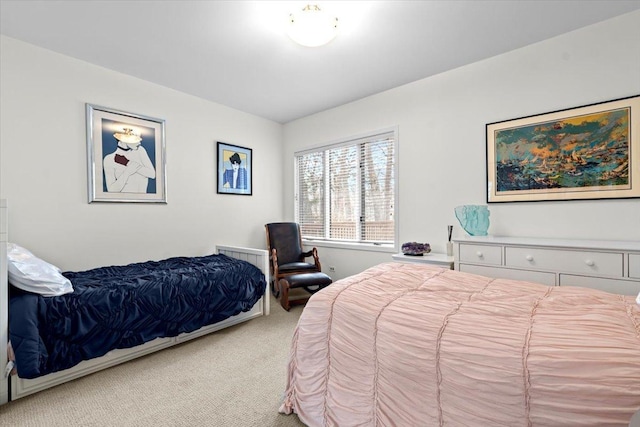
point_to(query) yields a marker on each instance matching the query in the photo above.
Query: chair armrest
(313, 252)
(274, 264)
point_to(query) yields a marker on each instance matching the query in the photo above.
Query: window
(346, 192)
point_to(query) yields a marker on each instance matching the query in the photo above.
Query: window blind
(346, 191)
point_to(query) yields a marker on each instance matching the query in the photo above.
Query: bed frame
(20, 387)
(4, 303)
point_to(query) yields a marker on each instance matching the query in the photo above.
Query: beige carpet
(234, 377)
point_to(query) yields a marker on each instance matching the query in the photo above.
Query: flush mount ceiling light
(312, 26)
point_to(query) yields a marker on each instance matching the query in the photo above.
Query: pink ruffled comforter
(414, 345)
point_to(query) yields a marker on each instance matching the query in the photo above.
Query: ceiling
(236, 53)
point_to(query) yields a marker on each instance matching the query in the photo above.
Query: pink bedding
(415, 345)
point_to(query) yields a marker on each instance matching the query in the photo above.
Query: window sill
(351, 246)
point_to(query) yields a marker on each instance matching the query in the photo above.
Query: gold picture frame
(587, 152)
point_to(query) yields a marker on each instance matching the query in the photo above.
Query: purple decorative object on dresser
(415, 248)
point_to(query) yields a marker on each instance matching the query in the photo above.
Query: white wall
(442, 137)
(442, 152)
(43, 166)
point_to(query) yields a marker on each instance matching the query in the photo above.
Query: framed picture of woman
(126, 156)
(234, 166)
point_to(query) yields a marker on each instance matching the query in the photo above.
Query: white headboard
(257, 257)
(4, 302)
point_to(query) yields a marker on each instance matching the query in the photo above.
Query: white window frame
(389, 247)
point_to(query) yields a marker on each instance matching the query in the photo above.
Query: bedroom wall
(442, 121)
(43, 166)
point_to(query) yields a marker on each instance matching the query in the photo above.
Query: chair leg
(284, 294)
(275, 288)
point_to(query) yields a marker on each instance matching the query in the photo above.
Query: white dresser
(612, 266)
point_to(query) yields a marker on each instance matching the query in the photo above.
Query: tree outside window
(346, 192)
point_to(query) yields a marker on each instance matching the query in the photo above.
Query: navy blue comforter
(124, 306)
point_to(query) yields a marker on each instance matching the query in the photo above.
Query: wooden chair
(284, 243)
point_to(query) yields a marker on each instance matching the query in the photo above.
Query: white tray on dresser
(441, 260)
(612, 266)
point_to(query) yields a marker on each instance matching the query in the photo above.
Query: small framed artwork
(235, 173)
(587, 152)
(126, 157)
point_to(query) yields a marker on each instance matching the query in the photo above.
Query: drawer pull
(479, 254)
(529, 258)
(590, 263)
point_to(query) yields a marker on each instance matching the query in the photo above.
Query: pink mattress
(415, 345)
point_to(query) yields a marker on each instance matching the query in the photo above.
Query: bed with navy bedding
(125, 306)
(114, 314)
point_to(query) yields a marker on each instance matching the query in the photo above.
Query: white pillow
(31, 274)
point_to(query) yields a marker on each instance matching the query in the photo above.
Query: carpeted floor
(234, 377)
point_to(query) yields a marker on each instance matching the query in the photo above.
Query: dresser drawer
(634, 266)
(481, 254)
(548, 279)
(622, 287)
(583, 262)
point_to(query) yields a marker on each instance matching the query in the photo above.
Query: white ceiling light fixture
(312, 27)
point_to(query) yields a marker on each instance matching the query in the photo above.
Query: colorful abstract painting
(586, 152)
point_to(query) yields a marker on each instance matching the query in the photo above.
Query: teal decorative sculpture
(474, 219)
